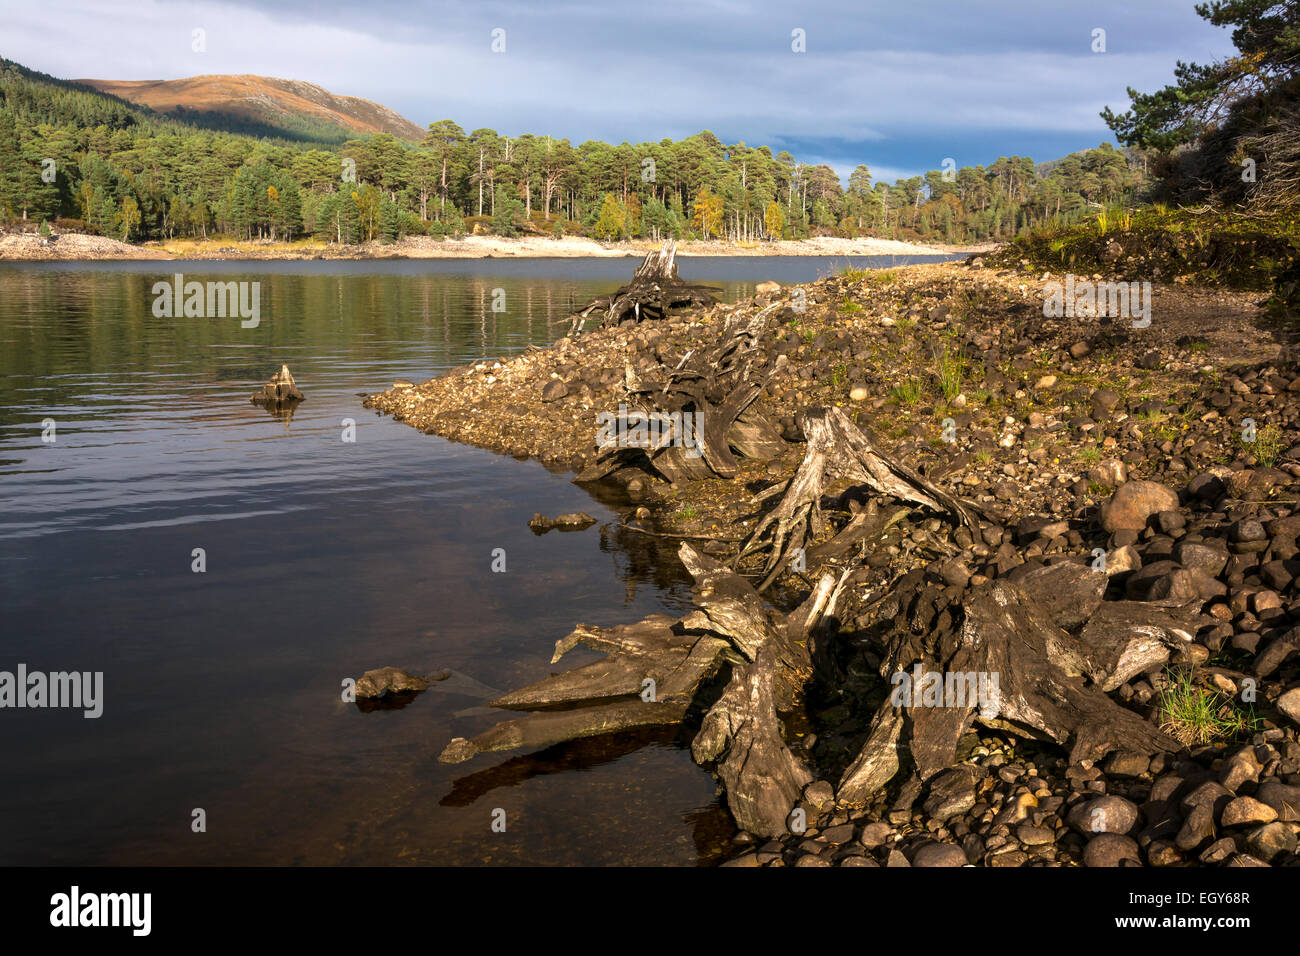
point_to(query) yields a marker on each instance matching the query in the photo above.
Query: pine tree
(349, 218)
(11, 168)
(388, 222)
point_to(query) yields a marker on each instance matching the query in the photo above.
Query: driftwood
(838, 449)
(654, 290)
(1002, 658)
(769, 660)
(702, 405)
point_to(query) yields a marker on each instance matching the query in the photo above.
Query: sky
(900, 85)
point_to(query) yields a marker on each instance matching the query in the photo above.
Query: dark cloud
(899, 86)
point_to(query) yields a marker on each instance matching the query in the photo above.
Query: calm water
(324, 558)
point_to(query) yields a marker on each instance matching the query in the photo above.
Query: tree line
(69, 152)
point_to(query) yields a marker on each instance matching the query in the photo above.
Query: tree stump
(838, 449)
(657, 671)
(706, 403)
(280, 392)
(1003, 634)
(654, 290)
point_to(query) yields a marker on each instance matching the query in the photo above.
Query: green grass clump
(1089, 455)
(950, 371)
(909, 392)
(1266, 447)
(1195, 715)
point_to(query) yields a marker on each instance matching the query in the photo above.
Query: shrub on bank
(1211, 247)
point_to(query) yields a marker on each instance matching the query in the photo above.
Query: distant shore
(79, 247)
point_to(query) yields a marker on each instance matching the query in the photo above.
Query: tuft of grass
(839, 375)
(1225, 248)
(852, 274)
(1196, 715)
(909, 392)
(950, 371)
(1089, 455)
(1266, 447)
(848, 305)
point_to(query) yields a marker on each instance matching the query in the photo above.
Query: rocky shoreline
(1138, 502)
(29, 246)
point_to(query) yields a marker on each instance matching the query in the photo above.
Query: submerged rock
(573, 521)
(384, 681)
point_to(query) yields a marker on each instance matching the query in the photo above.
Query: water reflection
(324, 558)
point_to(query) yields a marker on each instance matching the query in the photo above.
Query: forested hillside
(104, 165)
(263, 106)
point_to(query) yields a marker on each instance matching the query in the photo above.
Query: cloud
(905, 84)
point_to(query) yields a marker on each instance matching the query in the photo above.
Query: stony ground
(1188, 432)
(30, 246)
(1037, 404)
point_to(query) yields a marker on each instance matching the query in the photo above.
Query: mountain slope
(263, 106)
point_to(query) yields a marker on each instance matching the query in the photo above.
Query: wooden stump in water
(280, 392)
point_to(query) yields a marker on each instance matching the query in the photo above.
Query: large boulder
(1133, 503)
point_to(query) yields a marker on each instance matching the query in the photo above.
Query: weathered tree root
(717, 387)
(770, 660)
(655, 288)
(838, 449)
(1007, 634)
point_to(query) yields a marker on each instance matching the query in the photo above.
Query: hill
(262, 106)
